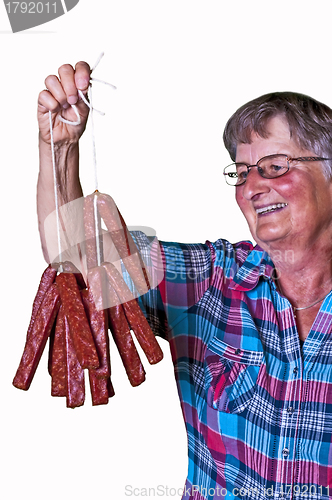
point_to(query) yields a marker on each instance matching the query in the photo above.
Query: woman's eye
(276, 168)
(242, 175)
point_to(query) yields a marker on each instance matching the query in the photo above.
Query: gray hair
(309, 121)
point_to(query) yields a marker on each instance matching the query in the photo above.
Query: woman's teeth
(270, 208)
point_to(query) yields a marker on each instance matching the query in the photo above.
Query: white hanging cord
(55, 192)
(95, 198)
(89, 103)
(78, 121)
(95, 211)
(94, 155)
(97, 62)
(102, 81)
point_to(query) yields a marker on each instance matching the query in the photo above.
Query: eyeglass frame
(300, 158)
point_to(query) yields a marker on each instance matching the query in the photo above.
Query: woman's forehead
(277, 139)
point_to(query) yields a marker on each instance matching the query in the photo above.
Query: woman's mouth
(270, 208)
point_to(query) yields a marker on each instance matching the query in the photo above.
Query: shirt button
(285, 452)
(237, 351)
(295, 370)
(290, 409)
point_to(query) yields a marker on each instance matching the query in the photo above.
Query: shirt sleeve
(186, 275)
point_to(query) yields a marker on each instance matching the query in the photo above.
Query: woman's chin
(267, 237)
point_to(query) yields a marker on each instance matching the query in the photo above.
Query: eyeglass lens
(268, 167)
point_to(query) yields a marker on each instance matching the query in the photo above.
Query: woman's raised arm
(61, 92)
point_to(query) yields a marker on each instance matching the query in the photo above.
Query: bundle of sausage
(67, 311)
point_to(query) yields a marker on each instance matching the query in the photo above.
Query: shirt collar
(257, 264)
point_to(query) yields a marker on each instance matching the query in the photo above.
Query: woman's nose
(255, 184)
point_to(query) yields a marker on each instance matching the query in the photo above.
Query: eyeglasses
(269, 167)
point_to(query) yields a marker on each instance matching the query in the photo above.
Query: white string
(88, 104)
(94, 156)
(55, 192)
(97, 229)
(78, 121)
(102, 81)
(97, 62)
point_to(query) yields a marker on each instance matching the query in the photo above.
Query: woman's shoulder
(220, 252)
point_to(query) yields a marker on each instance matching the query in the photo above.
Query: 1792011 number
(31, 7)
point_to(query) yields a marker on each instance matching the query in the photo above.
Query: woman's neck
(304, 277)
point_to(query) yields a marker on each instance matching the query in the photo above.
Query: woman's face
(304, 193)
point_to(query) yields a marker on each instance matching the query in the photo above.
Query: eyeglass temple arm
(309, 158)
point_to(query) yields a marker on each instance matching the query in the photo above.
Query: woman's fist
(61, 93)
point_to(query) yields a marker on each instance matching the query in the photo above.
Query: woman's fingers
(48, 102)
(64, 88)
(82, 75)
(67, 80)
(55, 88)
(61, 93)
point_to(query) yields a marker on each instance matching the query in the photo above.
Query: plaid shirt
(257, 408)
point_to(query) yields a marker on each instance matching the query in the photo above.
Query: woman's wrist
(66, 157)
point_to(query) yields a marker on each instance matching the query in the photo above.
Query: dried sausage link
(123, 242)
(37, 338)
(78, 322)
(98, 321)
(133, 250)
(74, 372)
(143, 332)
(50, 348)
(46, 281)
(58, 357)
(122, 337)
(99, 389)
(110, 388)
(134, 315)
(69, 267)
(90, 232)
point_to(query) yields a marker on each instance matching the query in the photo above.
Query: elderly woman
(249, 326)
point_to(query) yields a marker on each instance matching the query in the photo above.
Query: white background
(181, 68)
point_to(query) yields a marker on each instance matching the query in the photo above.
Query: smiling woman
(290, 208)
(255, 402)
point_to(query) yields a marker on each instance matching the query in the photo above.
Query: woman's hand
(61, 92)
